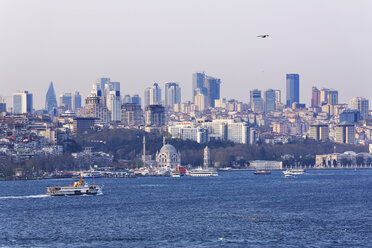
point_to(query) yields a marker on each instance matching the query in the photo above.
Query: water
(237, 209)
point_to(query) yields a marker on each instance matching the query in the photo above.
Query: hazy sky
(73, 43)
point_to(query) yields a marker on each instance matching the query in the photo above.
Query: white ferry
(199, 172)
(79, 188)
(293, 172)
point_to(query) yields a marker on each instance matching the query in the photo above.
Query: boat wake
(23, 196)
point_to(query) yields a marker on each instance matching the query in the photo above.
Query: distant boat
(199, 172)
(293, 172)
(175, 173)
(262, 172)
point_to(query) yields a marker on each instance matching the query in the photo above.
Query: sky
(138, 42)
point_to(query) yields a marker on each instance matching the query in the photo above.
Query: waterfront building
(65, 101)
(22, 102)
(76, 101)
(292, 89)
(319, 132)
(269, 99)
(345, 133)
(155, 116)
(346, 159)
(50, 98)
(362, 105)
(168, 158)
(350, 116)
(266, 165)
(256, 101)
(172, 93)
(315, 97)
(131, 114)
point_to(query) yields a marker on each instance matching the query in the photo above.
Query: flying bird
(263, 36)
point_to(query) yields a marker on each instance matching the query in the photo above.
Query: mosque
(168, 157)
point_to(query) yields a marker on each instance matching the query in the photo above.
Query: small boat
(175, 173)
(79, 188)
(262, 172)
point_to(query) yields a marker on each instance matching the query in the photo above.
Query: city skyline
(322, 48)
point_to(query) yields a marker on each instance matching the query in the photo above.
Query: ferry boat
(293, 172)
(175, 173)
(199, 172)
(262, 172)
(79, 188)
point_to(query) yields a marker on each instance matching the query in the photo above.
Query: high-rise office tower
(153, 95)
(65, 101)
(293, 89)
(113, 104)
(172, 94)
(324, 96)
(76, 101)
(269, 98)
(256, 100)
(315, 97)
(136, 99)
(362, 105)
(206, 85)
(22, 102)
(102, 84)
(278, 97)
(50, 99)
(332, 97)
(126, 99)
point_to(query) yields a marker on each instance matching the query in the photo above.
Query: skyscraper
(172, 93)
(22, 102)
(113, 104)
(126, 99)
(155, 115)
(153, 95)
(269, 98)
(136, 99)
(206, 85)
(362, 105)
(293, 89)
(332, 97)
(278, 97)
(50, 99)
(256, 100)
(65, 101)
(315, 97)
(76, 101)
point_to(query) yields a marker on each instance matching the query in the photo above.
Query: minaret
(163, 140)
(207, 158)
(144, 150)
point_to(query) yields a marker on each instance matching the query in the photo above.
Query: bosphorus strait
(322, 208)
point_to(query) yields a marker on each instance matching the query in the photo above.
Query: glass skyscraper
(50, 99)
(293, 89)
(206, 85)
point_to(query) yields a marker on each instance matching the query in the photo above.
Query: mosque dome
(168, 157)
